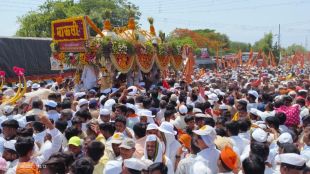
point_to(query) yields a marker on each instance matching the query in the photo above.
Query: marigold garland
(122, 62)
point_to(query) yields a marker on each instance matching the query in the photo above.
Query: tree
(292, 49)
(234, 47)
(38, 24)
(264, 44)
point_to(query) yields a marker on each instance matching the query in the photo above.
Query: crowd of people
(250, 121)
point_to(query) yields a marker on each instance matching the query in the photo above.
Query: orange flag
(250, 58)
(240, 57)
(189, 66)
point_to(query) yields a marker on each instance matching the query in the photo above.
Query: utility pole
(279, 46)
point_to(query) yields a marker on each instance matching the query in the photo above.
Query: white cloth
(306, 153)
(131, 121)
(245, 135)
(185, 164)
(89, 77)
(160, 155)
(179, 122)
(239, 144)
(208, 158)
(39, 137)
(38, 160)
(251, 105)
(53, 114)
(304, 111)
(172, 145)
(283, 128)
(160, 115)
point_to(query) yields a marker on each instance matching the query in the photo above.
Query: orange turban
(229, 158)
(185, 139)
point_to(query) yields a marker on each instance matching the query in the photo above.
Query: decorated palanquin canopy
(125, 47)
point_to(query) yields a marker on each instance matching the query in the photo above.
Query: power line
(237, 8)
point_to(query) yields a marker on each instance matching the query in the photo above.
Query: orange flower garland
(177, 62)
(162, 62)
(122, 62)
(144, 59)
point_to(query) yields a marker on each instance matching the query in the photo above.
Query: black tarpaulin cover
(32, 54)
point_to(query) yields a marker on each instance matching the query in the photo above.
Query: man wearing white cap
(83, 104)
(291, 163)
(35, 86)
(153, 151)
(179, 122)
(152, 128)
(104, 116)
(146, 116)
(132, 117)
(258, 135)
(126, 151)
(252, 97)
(52, 113)
(133, 165)
(10, 154)
(209, 155)
(171, 144)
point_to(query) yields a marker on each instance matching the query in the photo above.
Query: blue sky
(241, 20)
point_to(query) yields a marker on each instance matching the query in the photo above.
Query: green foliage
(264, 44)
(182, 41)
(197, 52)
(292, 49)
(149, 48)
(213, 35)
(163, 49)
(38, 23)
(121, 46)
(234, 47)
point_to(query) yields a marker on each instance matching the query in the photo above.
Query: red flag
(165, 84)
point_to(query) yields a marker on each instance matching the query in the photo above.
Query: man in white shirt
(52, 113)
(25, 145)
(179, 122)
(209, 155)
(238, 142)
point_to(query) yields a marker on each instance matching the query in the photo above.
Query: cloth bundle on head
(207, 134)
